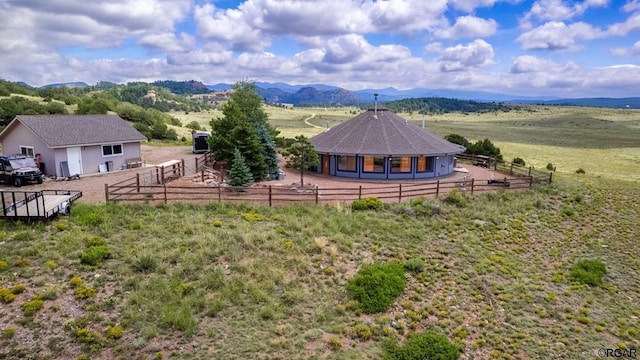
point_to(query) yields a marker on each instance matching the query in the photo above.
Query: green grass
(494, 277)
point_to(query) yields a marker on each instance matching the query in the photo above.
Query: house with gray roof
(379, 144)
(73, 144)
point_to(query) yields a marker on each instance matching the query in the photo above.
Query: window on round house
(425, 164)
(401, 164)
(347, 163)
(373, 164)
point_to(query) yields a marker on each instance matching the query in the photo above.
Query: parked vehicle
(19, 170)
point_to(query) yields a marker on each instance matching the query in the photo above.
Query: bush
(377, 286)
(369, 203)
(94, 255)
(414, 265)
(32, 306)
(519, 161)
(145, 262)
(580, 171)
(550, 167)
(114, 332)
(428, 345)
(588, 272)
(3, 265)
(8, 333)
(454, 197)
(6, 296)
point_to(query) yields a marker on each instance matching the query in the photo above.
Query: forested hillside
(438, 105)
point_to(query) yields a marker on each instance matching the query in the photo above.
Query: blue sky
(587, 48)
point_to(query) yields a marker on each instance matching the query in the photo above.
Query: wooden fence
(505, 167)
(131, 190)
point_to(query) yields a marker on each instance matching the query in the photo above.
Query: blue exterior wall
(442, 165)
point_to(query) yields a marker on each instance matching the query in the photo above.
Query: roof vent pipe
(375, 104)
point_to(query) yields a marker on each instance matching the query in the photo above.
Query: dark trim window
(373, 164)
(346, 163)
(401, 164)
(26, 150)
(112, 150)
(425, 164)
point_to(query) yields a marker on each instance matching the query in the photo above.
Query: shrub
(588, 272)
(115, 332)
(6, 296)
(96, 241)
(76, 281)
(217, 223)
(519, 161)
(145, 262)
(580, 171)
(86, 336)
(18, 289)
(377, 286)
(550, 167)
(51, 264)
(414, 265)
(30, 307)
(94, 255)
(454, 197)
(3, 265)
(427, 345)
(8, 333)
(85, 292)
(368, 203)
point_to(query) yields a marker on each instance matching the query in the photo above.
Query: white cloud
(168, 42)
(469, 27)
(558, 10)
(636, 49)
(557, 36)
(632, 24)
(476, 54)
(631, 6)
(531, 64)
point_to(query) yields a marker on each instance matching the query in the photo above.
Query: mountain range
(328, 95)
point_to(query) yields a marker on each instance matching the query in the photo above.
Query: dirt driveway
(93, 185)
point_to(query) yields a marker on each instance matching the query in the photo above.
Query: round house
(379, 144)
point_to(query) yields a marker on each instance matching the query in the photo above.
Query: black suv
(19, 169)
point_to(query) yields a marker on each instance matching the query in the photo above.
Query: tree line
(440, 105)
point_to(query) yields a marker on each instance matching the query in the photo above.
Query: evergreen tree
(270, 151)
(239, 173)
(239, 128)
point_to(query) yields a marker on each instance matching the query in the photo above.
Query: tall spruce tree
(270, 151)
(240, 128)
(239, 173)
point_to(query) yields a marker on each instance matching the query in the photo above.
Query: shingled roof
(383, 133)
(78, 130)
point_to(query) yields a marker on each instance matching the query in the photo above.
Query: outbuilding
(379, 144)
(67, 145)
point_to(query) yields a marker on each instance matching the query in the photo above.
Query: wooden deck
(35, 205)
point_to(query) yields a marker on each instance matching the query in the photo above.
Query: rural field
(494, 273)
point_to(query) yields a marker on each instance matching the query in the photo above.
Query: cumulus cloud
(467, 27)
(168, 42)
(632, 24)
(558, 10)
(474, 55)
(557, 36)
(631, 6)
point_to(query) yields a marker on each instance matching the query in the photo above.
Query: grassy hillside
(233, 282)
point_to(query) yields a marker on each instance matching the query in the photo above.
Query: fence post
(164, 186)
(529, 170)
(360, 192)
(106, 194)
(137, 182)
(219, 193)
(511, 169)
(197, 164)
(437, 188)
(270, 196)
(202, 176)
(550, 177)
(399, 193)
(184, 169)
(317, 200)
(472, 181)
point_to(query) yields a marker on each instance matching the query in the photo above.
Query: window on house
(373, 164)
(112, 150)
(347, 163)
(425, 164)
(26, 150)
(401, 164)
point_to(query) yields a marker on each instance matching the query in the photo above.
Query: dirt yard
(93, 185)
